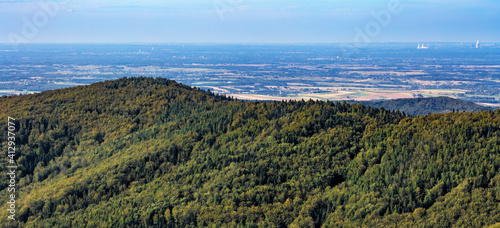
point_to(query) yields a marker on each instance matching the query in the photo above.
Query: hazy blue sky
(238, 21)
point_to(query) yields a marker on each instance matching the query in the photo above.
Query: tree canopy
(145, 152)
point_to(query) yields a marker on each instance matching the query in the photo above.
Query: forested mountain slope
(424, 106)
(143, 152)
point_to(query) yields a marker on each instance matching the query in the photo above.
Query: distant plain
(267, 72)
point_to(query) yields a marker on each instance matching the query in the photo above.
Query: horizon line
(252, 43)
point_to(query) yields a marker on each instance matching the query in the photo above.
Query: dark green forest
(144, 152)
(424, 106)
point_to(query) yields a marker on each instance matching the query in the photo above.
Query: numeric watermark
(11, 167)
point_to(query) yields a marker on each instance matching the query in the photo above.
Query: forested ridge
(424, 106)
(144, 152)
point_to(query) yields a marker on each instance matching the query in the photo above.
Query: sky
(248, 21)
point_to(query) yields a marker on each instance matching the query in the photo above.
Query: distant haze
(243, 21)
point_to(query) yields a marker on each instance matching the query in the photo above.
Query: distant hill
(424, 106)
(144, 152)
